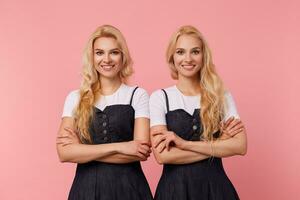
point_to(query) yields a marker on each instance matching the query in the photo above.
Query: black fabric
(105, 181)
(202, 180)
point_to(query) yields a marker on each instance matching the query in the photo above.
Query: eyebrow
(109, 50)
(192, 48)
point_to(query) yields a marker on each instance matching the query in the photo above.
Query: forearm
(119, 158)
(178, 156)
(236, 145)
(82, 153)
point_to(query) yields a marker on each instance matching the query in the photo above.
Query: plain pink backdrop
(255, 46)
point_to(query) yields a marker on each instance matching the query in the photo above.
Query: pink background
(255, 46)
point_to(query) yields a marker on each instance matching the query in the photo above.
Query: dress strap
(167, 100)
(132, 95)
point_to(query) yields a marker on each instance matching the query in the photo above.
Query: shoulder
(228, 97)
(160, 93)
(71, 102)
(73, 96)
(157, 95)
(138, 91)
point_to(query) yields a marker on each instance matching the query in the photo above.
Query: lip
(107, 67)
(188, 67)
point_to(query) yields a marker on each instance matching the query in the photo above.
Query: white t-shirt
(140, 101)
(177, 100)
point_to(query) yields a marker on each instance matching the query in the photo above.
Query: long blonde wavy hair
(212, 90)
(90, 88)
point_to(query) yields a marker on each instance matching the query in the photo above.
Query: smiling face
(188, 56)
(107, 57)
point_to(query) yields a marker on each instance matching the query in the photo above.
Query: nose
(188, 57)
(107, 58)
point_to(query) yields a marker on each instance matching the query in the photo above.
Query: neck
(189, 86)
(109, 85)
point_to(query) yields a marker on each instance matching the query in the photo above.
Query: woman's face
(107, 57)
(188, 56)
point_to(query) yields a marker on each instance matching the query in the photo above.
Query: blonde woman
(185, 124)
(105, 124)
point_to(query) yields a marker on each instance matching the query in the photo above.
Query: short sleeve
(231, 110)
(157, 106)
(140, 103)
(70, 103)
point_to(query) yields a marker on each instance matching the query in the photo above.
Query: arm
(232, 141)
(141, 133)
(237, 145)
(174, 155)
(70, 150)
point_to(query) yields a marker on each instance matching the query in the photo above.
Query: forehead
(188, 41)
(105, 43)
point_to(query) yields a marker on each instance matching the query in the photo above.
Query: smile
(188, 67)
(107, 67)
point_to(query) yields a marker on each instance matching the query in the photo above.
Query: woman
(185, 124)
(105, 124)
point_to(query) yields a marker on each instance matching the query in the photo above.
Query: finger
(146, 143)
(161, 147)
(70, 131)
(233, 123)
(159, 140)
(143, 157)
(65, 144)
(143, 151)
(168, 144)
(155, 133)
(145, 147)
(228, 121)
(237, 127)
(60, 140)
(164, 131)
(63, 136)
(237, 131)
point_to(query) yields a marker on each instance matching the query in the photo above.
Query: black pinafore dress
(105, 181)
(202, 180)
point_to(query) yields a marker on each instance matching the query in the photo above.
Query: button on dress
(202, 180)
(105, 181)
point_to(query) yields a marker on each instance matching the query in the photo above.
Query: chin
(111, 76)
(190, 74)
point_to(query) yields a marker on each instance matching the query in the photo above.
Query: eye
(115, 52)
(99, 53)
(180, 52)
(195, 52)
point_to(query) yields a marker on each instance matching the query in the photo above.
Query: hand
(137, 148)
(68, 137)
(165, 139)
(231, 127)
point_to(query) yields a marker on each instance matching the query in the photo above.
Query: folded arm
(174, 155)
(69, 148)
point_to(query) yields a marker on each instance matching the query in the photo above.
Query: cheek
(177, 60)
(117, 59)
(97, 59)
(199, 59)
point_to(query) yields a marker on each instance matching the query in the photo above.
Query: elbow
(243, 150)
(160, 160)
(62, 158)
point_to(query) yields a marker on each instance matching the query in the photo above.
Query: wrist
(185, 145)
(120, 147)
